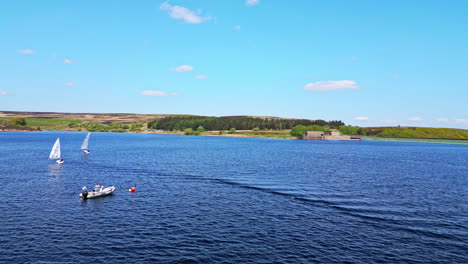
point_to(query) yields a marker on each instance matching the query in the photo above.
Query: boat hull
(104, 192)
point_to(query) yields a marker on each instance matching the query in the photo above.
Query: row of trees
(189, 131)
(239, 123)
(200, 129)
(113, 127)
(353, 130)
(301, 130)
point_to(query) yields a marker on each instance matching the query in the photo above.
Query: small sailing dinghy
(55, 152)
(97, 192)
(84, 146)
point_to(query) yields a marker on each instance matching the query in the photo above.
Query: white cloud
(252, 2)
(179, 12)
(158, 93)
(3, 93)
(26, 51)
(69, 84)
(183, 68)
(331, 85)
(237, 27)
(461, 121)
(67, 61)
(361, 118)
(201, 77)
(415, 119)
(442, 119)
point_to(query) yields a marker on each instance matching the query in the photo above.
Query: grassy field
(418, 132)
(106, 118)
(83, 121)
(47, 124)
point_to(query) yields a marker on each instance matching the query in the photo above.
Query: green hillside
(418, 132)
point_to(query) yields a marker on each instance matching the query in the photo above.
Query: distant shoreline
(409, 140)
(402, 140)
(240, 126)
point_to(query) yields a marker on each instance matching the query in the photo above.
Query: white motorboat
(96, 193)
(84, 146)
(55, 152)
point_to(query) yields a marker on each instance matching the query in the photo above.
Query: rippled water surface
(232, 200)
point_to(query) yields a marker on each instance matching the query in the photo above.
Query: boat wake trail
(355, 207)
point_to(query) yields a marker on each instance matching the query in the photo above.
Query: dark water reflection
(232, 200)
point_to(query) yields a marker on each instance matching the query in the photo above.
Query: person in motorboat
(97, 188)
(84, 193)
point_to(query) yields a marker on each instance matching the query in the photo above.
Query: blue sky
(367, 63)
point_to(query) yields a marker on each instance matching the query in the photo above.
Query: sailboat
(84, 146)
(55, 152)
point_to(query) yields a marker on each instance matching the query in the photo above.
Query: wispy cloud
(157, 93)
(69, 84)
(201, 77)
(252, 2)
(461, 121)
(331, 85)
(183, 68)
(416, 118)
(180, 12)
(3, 93)
(26, 51)
(312, 76)
(442, 119)
(354, 58)
(54, 55)
(361, 118)
(237, 27)
(67, 61)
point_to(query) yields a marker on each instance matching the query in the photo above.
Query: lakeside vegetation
(172, 123)
(15, 124)
(418, 132)
(301, 130)
(211, 126)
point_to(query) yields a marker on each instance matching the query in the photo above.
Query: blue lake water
(232, 200)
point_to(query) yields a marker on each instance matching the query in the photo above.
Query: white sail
(55, 153)
(85, 142)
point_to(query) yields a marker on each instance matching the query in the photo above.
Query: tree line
(238, 122)
(301, 130)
